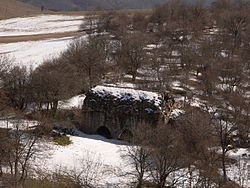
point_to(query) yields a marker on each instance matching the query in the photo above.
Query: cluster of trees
(77, 70)
(192, 43)
(209, 45)
(189, 153)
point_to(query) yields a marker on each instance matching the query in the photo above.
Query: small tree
(132, 54)
(51, 83)
(166, 156)
(89, 173)
(5, 64)
(15, 87)
(17, 150)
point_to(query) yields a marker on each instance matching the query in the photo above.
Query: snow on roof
(128, 94)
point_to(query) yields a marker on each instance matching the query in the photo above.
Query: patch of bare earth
(10, 39)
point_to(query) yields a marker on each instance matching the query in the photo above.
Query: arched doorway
(126, 134)
(104, 131)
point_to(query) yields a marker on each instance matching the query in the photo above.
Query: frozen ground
(108, 152)
(31, 54)
(85, 148)
(42, 24)
(240, 171)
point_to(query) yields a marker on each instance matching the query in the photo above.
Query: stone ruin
(113, 112)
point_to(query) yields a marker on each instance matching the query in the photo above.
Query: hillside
(96, 4)
(13, 8)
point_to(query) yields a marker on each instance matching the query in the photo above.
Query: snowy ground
(31, 54)
(240, 172)
(42, 24)
(86, 147)
(109, 153)
(17, 124)
(75, 102)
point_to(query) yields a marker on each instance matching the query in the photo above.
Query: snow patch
(128, 94)
(18, 124)
(42, 24)
(31, 54)
(74, 102)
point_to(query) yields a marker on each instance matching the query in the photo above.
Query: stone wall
(121, 110)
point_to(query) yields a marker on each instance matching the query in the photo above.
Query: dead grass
(13, 8)
(10, 39)
(100, 12)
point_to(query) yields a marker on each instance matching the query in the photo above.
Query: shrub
(62, 140)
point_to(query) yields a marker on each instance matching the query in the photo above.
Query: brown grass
(13, 8)
(100, 12)
(10, 39)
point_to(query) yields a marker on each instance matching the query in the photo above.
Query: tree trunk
(224, 166)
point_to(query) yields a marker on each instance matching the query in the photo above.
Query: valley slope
(13, 8)
(98, 4)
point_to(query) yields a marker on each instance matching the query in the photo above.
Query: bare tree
(19, 148)
(88, 174)
(232, 18)
(87, 59)
(50, 83)
(198, 139)
(5, 64)
(132, 54)
(138, 155)
(165, 156)
(15, 87)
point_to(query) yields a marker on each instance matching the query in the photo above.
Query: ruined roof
(126, 94)
(125, 99)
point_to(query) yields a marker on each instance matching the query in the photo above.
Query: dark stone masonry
(114, 112)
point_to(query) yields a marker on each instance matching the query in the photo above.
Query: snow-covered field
(42, 24)
(31, 54)
(91, 148)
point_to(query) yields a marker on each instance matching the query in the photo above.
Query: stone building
(114, 112)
